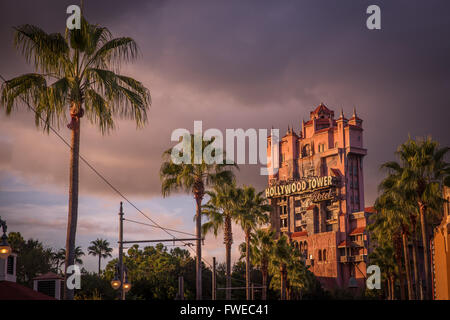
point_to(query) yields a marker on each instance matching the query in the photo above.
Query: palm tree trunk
(288, 290)
(73, 206)
(198, 233)
(228, 242)
(283, 282)
(407, 266)
(426, 252)
(247, 264)
(419, 293)
(264, 281)
(99, 263)
(401, 277)
(392, 288)
(387, 285)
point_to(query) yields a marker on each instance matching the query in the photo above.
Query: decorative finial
(354, 112)
(342, 113)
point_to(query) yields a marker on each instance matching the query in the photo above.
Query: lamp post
(120, 280)
(5, 249)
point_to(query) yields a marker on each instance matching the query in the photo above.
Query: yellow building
(441, 254)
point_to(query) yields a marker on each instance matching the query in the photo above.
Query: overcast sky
(231, 64)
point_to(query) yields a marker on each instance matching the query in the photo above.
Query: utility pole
(214, 279)
(122, 293)
(122, 268)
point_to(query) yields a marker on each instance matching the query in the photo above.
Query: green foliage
(33, 258)
(78, 254)
(300, 282)
(191, 176)
(410, 192)
(100, 248)
(153, 273)
(94, 287)
(79, 68)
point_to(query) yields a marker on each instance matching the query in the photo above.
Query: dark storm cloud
(257, 64)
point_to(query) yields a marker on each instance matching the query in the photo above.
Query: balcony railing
(358, 243)
(346, 259)
(356, 258)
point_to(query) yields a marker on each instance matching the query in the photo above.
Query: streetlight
(115, 283)
(5, 249)
(126, 284)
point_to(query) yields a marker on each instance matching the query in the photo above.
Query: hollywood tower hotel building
(317, 196)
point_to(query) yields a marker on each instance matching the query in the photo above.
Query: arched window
(324, 255)
(320, 255)
(306, 151)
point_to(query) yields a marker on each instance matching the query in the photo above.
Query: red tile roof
(48, 276)
(370, 210)
(358, 230)
(299, 234)
(14, 291)
(343, 244)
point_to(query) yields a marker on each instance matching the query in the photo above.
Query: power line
(156, 225)
(95, 171)
(152, 225)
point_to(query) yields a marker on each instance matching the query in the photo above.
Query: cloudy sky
(231, 64)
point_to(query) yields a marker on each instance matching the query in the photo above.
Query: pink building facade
(317, 196)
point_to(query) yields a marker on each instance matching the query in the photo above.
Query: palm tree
(280, 259)
(251, 214)
(221, 209)
(100, 248)
(392, 206)
(423, 172)
(58, 258)
(262, 247)
(194, 176)
(383, 256)
(402, 204)
(78, 253)
(76, 74)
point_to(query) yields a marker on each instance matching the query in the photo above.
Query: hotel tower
(317, 196)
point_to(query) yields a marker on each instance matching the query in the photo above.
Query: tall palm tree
(386, 232)
(194, 176)
(220, 210)
(280, 259)
(423, 172)
(100, 248)
(251, 214)
(76, 74)
(402, 204)
(383, 256)
(262, 247)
